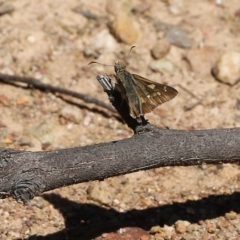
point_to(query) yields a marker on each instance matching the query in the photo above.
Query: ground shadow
(87, 221)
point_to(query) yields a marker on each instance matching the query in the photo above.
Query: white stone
(227, 68)
(104, 40)
(31, 39)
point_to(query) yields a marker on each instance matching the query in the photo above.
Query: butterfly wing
(126, 86)
(152, 94)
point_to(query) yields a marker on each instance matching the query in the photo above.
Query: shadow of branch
(87, 221)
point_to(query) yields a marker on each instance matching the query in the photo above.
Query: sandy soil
(54, 41)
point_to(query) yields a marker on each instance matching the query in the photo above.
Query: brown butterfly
(141, 94)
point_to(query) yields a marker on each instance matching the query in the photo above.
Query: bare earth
(51, 42)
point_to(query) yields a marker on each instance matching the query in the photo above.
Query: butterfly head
(118, 67)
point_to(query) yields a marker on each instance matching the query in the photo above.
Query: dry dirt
(49, 41)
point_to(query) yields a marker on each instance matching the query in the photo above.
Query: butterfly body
(141, 94)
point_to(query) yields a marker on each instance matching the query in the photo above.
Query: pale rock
(162, 66)
(227, 68)
(7, 71)
(160, 233)
(161, 48)
(177, 36)
(231, 215)
(124, 27)
(70, 126)
(72, 114)
(6, 8)
(25, 141)
(156, 229)
(168, 228)
(103, 41)
(181, 226)
(31, 39)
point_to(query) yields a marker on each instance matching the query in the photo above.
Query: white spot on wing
(152, 86)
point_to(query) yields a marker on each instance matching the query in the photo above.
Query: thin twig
(47, 87)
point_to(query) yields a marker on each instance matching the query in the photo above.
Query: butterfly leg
(143, 125)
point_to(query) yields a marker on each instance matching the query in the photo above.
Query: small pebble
(163, 235)
(31, 39)
(188, 237)
(86, 13)
(191, 228)
(6, 8)
(70, 126)
(218, 2)
(227, 68)
(181, 226)
(162, 65)
(237, 226)
(168, 228)
(157, 237)
(72, 114)
(156, 229)
(25, 141)
(147, 202)
(223, 223)
(103, 41)
(178, 37)
(7, 71)
(104, 235)
(124, 27)
(160, 49)
(231, 215)
(116, 202)
(6, 214)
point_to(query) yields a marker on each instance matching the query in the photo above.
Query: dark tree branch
(24, 175)
(47, 87)
(27, 174)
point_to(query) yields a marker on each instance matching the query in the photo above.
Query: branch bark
(24, 175)
(27, 174)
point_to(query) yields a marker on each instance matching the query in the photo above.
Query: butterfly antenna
(100, 64)
(129, 53)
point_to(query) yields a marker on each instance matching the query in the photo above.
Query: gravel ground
(191, 45)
